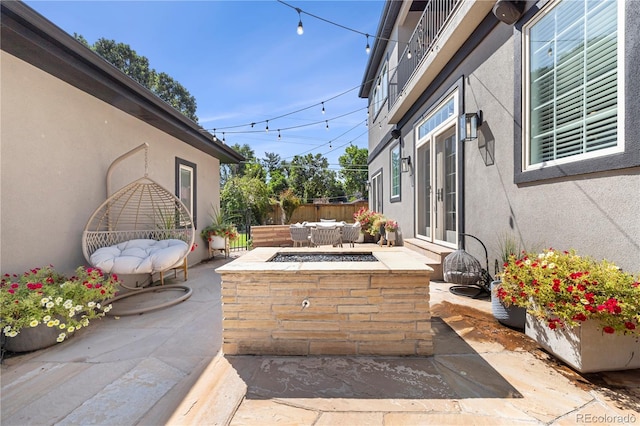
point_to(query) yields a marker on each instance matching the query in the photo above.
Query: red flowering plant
(44, 296)
(564, 290)
(369, 220)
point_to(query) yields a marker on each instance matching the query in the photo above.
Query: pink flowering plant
(391, 226)
(44, 296)
(564, 290)
(369, 220)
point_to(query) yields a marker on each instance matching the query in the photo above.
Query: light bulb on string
(279, 137)
(215, 138)
(409, 54)
(267, 128)
(300, 29)
(367, 49)
(323, 111)
(327, 122)
(223, 138)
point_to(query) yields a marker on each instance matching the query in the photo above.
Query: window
(381, 90)
(572, 90)
(375, 199)
(395, 172)
(186, 185)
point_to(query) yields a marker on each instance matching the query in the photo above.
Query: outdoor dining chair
(326, 235)
(350, 233)
(299, 235)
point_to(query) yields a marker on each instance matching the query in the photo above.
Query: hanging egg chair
(464, 270)
(140, 229)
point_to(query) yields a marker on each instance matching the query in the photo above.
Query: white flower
(527, 262)
(61, 337)
(68, 304)
(71, 329)
(34, 323)
(56, 322)
(91, 304)
(79, 308)
(107, 308)
(58, 300)
(62, 326)
(46, 318)
(552, 265)
(72, 312)
(12, 333)
(6, 329)
(44, 301)
(51, 323)
(50, 305)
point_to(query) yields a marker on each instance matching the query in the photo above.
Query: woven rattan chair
(299, 235)
(326, 235)
(351, 233)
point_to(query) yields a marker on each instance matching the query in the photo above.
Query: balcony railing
(435, 17)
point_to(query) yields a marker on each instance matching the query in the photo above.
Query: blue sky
(244, 63)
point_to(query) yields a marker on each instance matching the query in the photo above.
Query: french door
(437, 183)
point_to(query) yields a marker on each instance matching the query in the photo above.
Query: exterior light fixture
(405, 164)
(300, 29)
(472, 121)
(367, 49)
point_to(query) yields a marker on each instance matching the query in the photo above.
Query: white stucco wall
(57, 143)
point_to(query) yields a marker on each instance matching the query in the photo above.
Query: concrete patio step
(433, 253)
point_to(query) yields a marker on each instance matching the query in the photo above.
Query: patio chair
(325, 235)
(299, 235)
(351, 233)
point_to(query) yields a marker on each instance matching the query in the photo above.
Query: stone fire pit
(378, 306)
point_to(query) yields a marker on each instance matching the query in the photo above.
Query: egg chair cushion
(140, 256)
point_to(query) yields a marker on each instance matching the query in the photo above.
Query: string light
(279, 137)
(223, 139)
(215, 138)
(300, 29)
(327, 122)
(323, 108)
(367, 49)
(267, 128)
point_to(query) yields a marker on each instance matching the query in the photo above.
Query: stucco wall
(57, 144)
(594, 213)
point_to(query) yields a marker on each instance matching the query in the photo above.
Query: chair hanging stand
(141, 228)
(464, 270)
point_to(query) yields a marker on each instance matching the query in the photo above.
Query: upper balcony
(440, 31)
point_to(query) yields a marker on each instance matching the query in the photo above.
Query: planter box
(586, 348)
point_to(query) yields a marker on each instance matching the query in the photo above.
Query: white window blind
(573, 105)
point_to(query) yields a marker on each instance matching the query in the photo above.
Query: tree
(310, 177)
(289, 203)
(354, 171)
(127, 60)
(245, 193)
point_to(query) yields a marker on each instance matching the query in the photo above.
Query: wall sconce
(472, 121)
(405, 164)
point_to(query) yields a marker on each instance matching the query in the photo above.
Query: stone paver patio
(164, 367)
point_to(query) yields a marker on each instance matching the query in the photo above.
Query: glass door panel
(424, 190)
(445, 184)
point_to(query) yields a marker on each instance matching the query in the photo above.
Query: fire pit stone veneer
(326, 308)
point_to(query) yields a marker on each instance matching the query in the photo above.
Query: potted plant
(219, 233)
(576, 306)
(368, 220)
(41, 307)
(390, 229)
(506, 313)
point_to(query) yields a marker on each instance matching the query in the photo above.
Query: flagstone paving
(164, 367)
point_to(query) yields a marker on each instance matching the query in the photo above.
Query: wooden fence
(315, 212)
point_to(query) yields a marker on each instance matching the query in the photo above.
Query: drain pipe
(144, 146)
